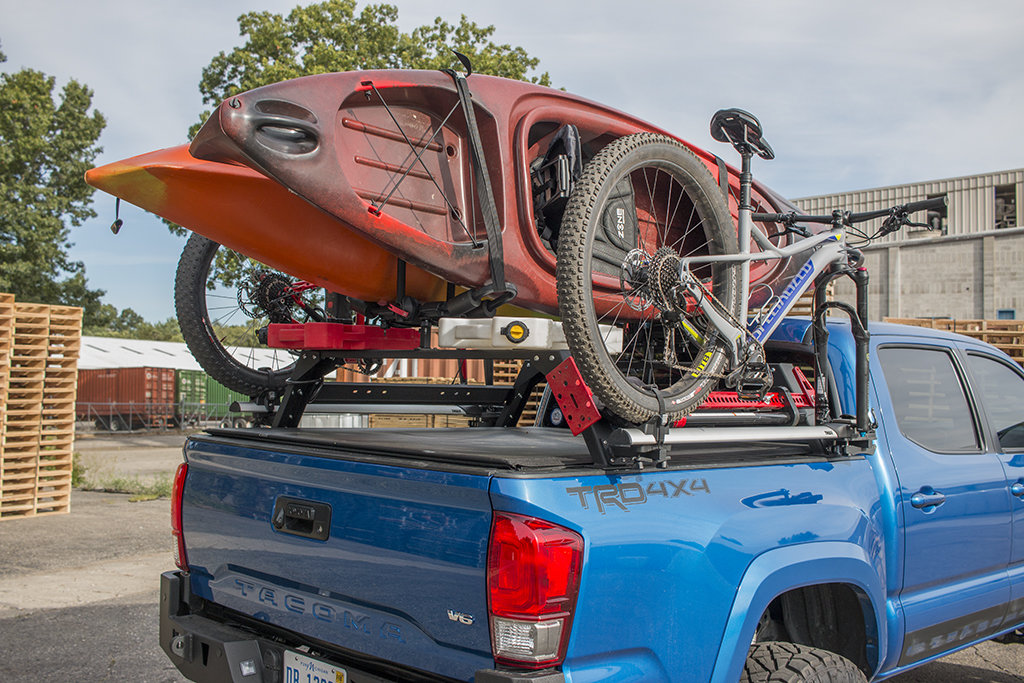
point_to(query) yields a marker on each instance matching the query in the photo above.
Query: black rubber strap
(723, 178)
(483, 183)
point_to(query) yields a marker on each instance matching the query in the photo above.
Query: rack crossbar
(694, 435)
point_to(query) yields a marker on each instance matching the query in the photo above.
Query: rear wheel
(222, 299)
(790, 663)
(639, 338)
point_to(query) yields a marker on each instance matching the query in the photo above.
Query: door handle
(929, 499)
(305, 518)
(1017, 489)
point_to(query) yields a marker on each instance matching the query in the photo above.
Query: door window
(928, 399)
(1001, 391)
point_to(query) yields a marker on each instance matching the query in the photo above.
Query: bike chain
(692, 369)
(665, 266)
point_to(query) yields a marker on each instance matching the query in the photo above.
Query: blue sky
(851, 95)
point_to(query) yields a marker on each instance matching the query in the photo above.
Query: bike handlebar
(844, 218)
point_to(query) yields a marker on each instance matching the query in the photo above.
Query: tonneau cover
(500, 448)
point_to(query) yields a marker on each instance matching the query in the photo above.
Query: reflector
(180, 556)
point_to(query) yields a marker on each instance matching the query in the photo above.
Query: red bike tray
(341, 337)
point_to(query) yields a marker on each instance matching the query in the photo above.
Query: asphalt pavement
(79, 592)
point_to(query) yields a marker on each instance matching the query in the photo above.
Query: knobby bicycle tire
(640, 196)
(209, 347)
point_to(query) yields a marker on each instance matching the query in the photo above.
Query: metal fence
(135, 417)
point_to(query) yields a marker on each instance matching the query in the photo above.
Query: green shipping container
(219, 398)
(200, 398)
(190, 397)
(191, 386)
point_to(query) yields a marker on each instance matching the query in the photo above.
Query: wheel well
(831, 616)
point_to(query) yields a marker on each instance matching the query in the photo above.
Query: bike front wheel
(639, 337)
(222, 300)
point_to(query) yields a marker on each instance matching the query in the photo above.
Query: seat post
(745, 223)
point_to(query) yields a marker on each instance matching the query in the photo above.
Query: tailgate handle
(304, 518)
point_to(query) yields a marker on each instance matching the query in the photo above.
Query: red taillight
(533, 576)
(180, 557)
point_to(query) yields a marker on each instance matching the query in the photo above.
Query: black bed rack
(612, 445)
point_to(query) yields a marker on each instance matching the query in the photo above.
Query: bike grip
(935, 203)
(789, 218)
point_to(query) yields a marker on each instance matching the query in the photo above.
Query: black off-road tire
(776, 662)
(197, 329)
(616, 381)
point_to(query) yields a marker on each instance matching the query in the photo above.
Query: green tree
(45, 148)
(332, 36)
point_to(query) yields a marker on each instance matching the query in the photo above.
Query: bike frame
(826, 248)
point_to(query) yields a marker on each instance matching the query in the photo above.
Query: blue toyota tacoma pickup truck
(502, 555)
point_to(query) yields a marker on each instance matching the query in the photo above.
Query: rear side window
(1001, 391)
(928, 399)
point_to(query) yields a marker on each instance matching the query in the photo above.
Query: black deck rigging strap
(483, 183)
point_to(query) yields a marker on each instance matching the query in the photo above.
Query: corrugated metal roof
(971, 210)
(109, 352)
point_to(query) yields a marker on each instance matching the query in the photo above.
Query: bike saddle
(742, 130)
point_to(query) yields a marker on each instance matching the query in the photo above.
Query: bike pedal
(754, 382)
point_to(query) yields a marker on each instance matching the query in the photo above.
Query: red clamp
(573, 396)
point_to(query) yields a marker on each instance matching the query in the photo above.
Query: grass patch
(159, 487)
(77, 471)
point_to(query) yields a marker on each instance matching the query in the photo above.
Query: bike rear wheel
(642, 203)
(222, 299)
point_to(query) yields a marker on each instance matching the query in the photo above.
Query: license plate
(301, 669)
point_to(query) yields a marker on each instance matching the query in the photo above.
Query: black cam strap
(483, 183)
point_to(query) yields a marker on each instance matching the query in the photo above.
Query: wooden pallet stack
(1007, 335)
(805, 304)
(417, 420)
(6, 338)
(38, 408)
(20, 466)
(57, 425)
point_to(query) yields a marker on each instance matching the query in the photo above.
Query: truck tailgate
(398, 571)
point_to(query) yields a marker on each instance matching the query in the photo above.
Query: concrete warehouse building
(969, 266)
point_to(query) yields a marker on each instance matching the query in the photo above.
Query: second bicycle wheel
(223, 299)
(640, 340)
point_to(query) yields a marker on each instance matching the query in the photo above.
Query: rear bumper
(207, 650)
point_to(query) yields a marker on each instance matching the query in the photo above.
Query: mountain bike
(685, 314)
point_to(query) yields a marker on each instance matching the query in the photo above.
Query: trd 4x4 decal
(633, 493)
